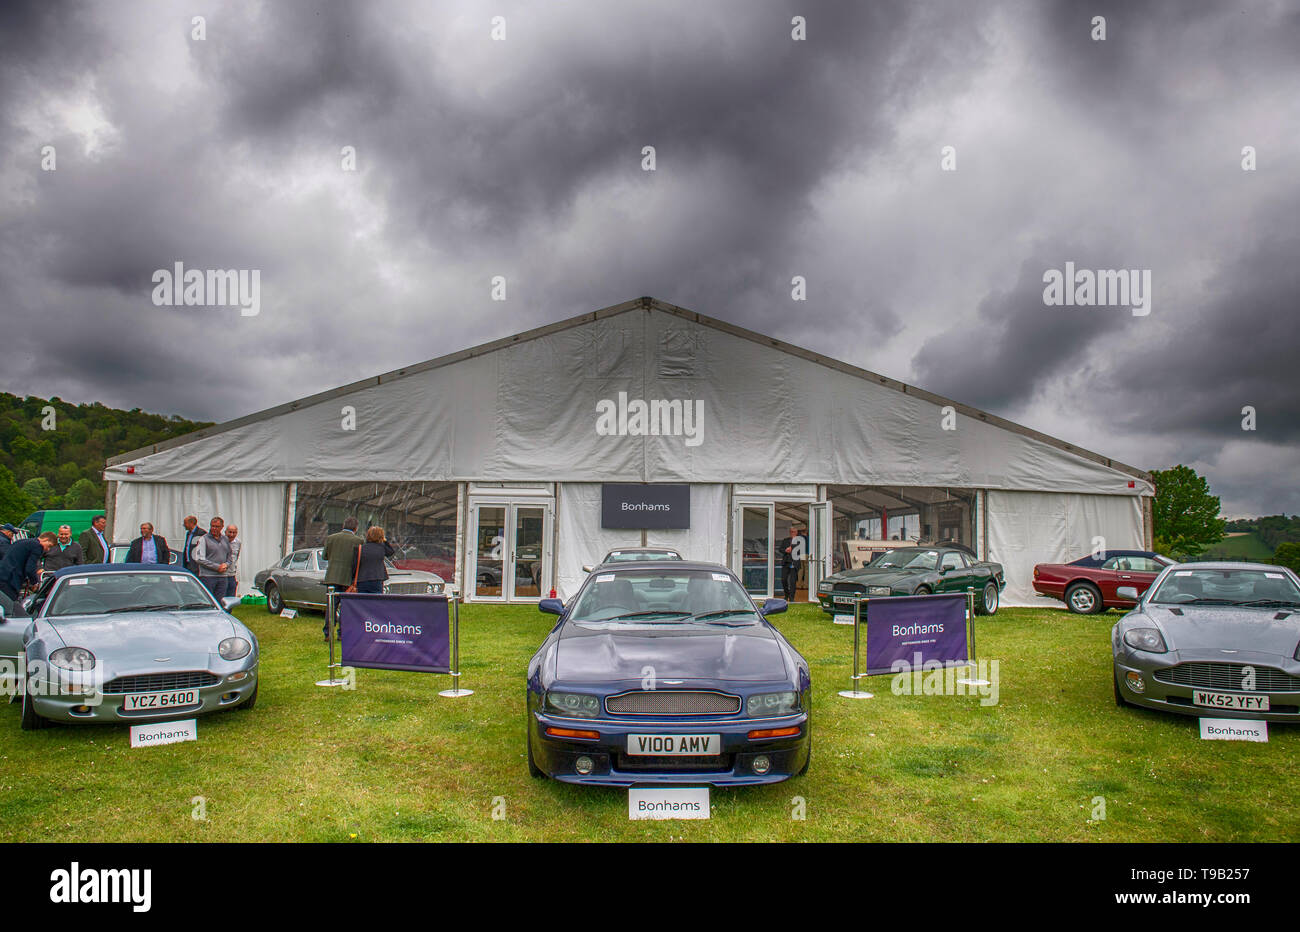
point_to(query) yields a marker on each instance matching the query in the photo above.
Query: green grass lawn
(1244, 547)
(391, 761)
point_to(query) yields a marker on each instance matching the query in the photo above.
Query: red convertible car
(1088, 585)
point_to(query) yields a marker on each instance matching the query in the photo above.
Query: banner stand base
(974, 683)
(331, 682)
(456, 693)
(856, 694)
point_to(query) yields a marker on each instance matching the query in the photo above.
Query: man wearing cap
(65, 552)
(92, 541)
(22, 564)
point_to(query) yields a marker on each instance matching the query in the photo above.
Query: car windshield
(631, 556)
(111, 593)
(649, 596)
(912, 559)
(1264, 588)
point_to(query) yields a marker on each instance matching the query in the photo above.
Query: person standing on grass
(148, 547)
(340, 557)
(93, 544)
(192, 535)
(232, 571)
(212, 554)
(371, 567)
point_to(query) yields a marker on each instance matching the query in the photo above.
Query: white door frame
(511, 505)
(820, 539)
(738, 541)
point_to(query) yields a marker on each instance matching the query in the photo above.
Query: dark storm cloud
(1015, 325)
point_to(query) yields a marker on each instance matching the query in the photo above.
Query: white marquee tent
(543, 419)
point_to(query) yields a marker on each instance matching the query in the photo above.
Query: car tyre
(922, 590)
(990, 598)
(533, 769)
(274, 603)
(804, 769)
(1083, 599)
(1119, 696)
(31, 721)
(247, 704)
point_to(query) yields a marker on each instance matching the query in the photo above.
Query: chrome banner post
(455, 692)
(856, 693)
(970, 639)
(331, 617)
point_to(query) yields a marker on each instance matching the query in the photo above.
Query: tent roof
(642, 304)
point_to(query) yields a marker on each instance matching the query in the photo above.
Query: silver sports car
(298, 580)
(127, 642)
(1212, 639)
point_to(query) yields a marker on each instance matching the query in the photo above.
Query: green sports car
(915, 571)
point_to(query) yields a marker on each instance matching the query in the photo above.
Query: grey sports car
(298, 580)
(127, 642)
(1213, 639)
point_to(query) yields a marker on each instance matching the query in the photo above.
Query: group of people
(355, 563)
(212, 556)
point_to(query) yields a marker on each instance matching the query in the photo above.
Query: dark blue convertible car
(667, 673)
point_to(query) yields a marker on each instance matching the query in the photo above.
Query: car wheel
(30, 720)
(1119, 696)
(274, 603)
(248, 703)
(804, 769)
(922, 590)
(533, 769)
(1083, 598)
(989, 605)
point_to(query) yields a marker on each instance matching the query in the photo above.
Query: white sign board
(1233, 729)
(146, 736)
(288, 613)
(689, 802)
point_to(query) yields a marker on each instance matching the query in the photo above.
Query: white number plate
(145, 702)
(674, 745)
(1244, 703)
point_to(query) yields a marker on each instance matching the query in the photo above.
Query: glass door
(752, 555)
(819, 546)
(510, 555)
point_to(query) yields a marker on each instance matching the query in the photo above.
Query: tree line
(53, 452)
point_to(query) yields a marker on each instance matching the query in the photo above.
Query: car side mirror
(587, 567)
(230, 601)
(551, 606)
(1128, 592)
(773, 607)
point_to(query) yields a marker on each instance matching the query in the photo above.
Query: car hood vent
(1176, 611)
(1281, 616)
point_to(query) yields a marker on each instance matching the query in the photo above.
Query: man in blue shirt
(148, 547)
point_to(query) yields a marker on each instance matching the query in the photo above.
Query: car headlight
(772, 703)
(878, 590)
(233, 648)
(1147, 639)
(73, 658)
(574, 704)
(435, 588)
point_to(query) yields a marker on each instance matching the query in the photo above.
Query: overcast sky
(522, 157)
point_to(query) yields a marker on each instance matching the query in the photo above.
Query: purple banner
(915, 629)
(395, 632)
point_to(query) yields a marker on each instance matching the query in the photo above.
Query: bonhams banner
(915, 630)
(395, 632)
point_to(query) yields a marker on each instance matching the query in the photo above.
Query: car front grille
(848, 587)
(407, 588)
(672, 702)
(1228, 677)
(718, 763)
(161, 682)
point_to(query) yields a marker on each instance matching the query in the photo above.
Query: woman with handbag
(371, 569)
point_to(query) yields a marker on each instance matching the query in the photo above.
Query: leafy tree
(38, 492)
(1185, 514)
(1288, 555)
(83, 494)
(14, 505)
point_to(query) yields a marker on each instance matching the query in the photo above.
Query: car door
(954, 574)
(1138, 572)
(295, 576)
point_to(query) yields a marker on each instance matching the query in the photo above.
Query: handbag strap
(356, 566)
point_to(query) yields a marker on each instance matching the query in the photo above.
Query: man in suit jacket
(192, 534)
(148, 547)
(92, 541)
(65, 552)
(341, 553)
